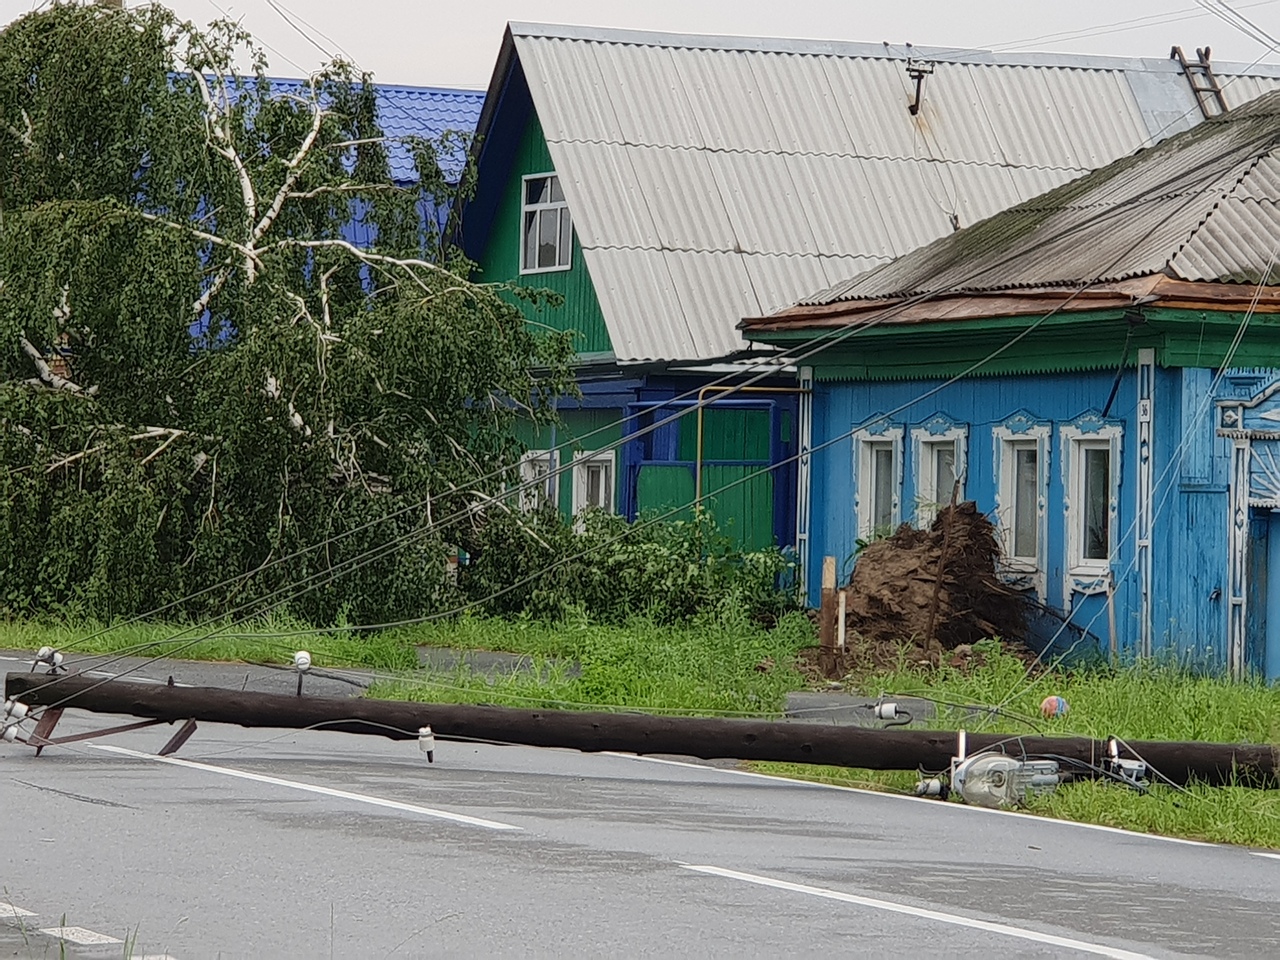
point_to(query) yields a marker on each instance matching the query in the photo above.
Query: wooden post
(827, 619)
(842, 612)
(707, 738)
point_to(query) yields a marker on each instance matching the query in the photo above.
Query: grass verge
(255, 642)
(712, 665)
(1149, 701)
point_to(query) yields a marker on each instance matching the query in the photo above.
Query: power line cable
(530, 485)
(844, 331)
(1174, 461)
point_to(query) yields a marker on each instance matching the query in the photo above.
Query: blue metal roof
(426, 112)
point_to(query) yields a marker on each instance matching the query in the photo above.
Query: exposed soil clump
(939, 587)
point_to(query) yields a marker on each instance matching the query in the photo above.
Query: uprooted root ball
(943, 582)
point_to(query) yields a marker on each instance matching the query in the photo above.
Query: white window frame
(923, 443)
(1007, 442)
(583, 459)
(864, 443)
(1075, 440)
(528, 473)
(536, 208)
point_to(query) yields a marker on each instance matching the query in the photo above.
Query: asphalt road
(256, 843)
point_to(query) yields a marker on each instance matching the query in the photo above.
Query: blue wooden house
(666, 186)
(1099, 369)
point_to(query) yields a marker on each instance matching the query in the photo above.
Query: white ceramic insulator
(887, 711)
(929, 788)
(15, 709)
(9, 734)
(426, 739)
(57, 659)
(44, 654)
(302, 661)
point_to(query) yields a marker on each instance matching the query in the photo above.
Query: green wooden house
(666, 186)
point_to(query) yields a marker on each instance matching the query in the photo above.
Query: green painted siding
(660, 488)
(579, 431)
(743, 507)
(580, 311)
(726, 435)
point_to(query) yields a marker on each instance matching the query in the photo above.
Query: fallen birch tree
(199, 370)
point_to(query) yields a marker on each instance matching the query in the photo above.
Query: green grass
(1136, 702)
(712, 665)
(255, 642)
(1151, 701)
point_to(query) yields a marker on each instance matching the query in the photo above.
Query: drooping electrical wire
(839, 334)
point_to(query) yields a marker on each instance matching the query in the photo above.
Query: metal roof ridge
(862, 49)
(380, 86)
(831, 154)
(725, 252)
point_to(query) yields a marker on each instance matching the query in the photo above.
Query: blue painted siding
(1186, 619)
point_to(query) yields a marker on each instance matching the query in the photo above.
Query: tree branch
(219, 130)
(27, 135)
(202, 303)
(341, 188)
(405, 263)
(47, 376)
(250, 254)
(294, 166)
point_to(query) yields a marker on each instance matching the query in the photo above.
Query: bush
(612, 571)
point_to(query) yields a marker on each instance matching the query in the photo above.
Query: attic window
(547, 231)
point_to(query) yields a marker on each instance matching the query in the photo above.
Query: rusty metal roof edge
(1153, 290)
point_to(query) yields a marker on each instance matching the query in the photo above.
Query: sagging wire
(841, 333)
(765, 368)
(1027, 683)
(836, 336)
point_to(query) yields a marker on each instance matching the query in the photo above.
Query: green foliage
(231, 381)
(608, 570)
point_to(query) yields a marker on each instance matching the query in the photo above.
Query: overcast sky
(455, 42)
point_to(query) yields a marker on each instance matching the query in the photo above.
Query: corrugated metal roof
(715, 177)
(1201, 206)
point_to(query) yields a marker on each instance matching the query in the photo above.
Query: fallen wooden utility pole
(840, 746)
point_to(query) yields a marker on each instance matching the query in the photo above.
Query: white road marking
(9, 912)
(1269, 856)
(81, 936)
(952, 918)
(788, 781)
(311, 788)
(132, 678)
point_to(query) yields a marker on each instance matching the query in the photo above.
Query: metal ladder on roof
(1204, 84)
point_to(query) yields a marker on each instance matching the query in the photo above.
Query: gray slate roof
(1201, 206)
(712, 178)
